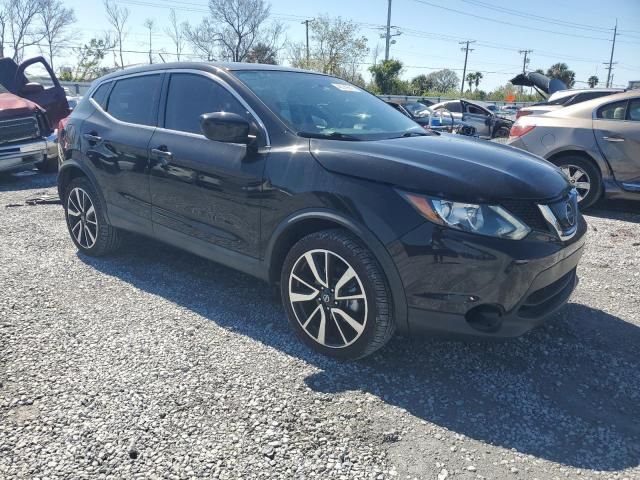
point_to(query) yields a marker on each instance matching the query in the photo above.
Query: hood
(542, 82)
(451, 166)
(11, 106)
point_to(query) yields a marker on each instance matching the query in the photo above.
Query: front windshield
(418, 109)
(321, 106)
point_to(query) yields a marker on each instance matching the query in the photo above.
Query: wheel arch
(71, 169)
(600, 164)
(303, 223)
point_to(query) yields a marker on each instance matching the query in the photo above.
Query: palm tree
(561, 72)
(593, 81)
(471, 78)
(476, 80)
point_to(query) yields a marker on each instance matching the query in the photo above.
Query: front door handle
(613, 139)
(162, 155)
(92, 137)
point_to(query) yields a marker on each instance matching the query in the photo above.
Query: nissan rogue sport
(367, 223)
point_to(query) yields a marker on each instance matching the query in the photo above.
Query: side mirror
(31, 88)
(225, 127)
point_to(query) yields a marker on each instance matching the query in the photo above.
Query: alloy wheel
(328, 298)
(81, 216)
(579, 179)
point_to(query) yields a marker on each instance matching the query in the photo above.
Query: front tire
(336, 295)
(88, 226)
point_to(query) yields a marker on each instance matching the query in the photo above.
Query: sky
(577, 32)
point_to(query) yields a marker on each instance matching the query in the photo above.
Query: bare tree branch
(203, 38)
(175, 33)
(55, 20)
(149, 23)
(117, 17)
(21, 18)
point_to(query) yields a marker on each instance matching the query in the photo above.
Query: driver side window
(191, 95)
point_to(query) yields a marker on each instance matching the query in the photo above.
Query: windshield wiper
(331, 136)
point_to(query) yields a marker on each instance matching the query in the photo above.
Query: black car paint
(241, 205)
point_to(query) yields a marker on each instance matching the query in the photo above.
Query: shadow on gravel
(26, 181)
(624, 210)
(567, 392)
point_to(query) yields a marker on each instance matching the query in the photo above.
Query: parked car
(596, 143)
(367, 223)
(28, 114)
(441, 120)
(487, 123)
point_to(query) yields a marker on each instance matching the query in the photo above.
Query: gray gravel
(157, 364)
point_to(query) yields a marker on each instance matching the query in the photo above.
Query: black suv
(366, 222)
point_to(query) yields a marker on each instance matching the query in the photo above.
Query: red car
(29, 115)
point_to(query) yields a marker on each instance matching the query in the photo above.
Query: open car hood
(539, 81)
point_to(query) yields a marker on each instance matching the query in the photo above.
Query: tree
(262, 53)
(421, 84)
(561, 72)
(444, 80)
(55, 20)
(117, 17)
(593, 81)
(149, 23)
(90, 56)
(21, 18)
(203, 38)
(175, 33)
(386, 76)
(476, 80)
(239, 25)
(335, 48)
(471, 78)
(3, 27)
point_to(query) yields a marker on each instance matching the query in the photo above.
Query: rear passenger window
(133, 100)
(613, 111)
(100, 95)
(192, 95)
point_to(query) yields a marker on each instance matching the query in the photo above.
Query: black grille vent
(16, 129)
(528, 212)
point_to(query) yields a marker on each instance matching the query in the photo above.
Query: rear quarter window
(100, 95)
(613, 111)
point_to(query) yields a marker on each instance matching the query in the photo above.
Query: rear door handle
(613, 139)
(91, 137)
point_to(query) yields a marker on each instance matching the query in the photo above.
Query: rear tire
(343, 310)
(87, 222)
(582, 173)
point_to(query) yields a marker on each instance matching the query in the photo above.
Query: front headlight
(491, 220)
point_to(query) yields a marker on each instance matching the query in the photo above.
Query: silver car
(596, 143)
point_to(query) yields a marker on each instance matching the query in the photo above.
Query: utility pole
(306, 23)
(388, 35)
(524, 64)
(611, 63)
(466, 51)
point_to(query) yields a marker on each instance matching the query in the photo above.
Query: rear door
(46, 91)
(616, 127)
(115, 140)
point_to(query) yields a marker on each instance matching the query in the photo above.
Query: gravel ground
(157, 364)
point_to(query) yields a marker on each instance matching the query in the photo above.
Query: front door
(477, 117)
(617, 131)
(201, 188)
(115, 139)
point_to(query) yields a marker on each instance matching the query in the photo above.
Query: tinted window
(100, 95)
(134, 99)
(192, 95)
(453, 107)
(613, 111)
(634, 110)
(476, 110)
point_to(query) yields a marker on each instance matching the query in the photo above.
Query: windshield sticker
(345, 87)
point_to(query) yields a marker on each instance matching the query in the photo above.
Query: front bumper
(465, 284)
(24, 155)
